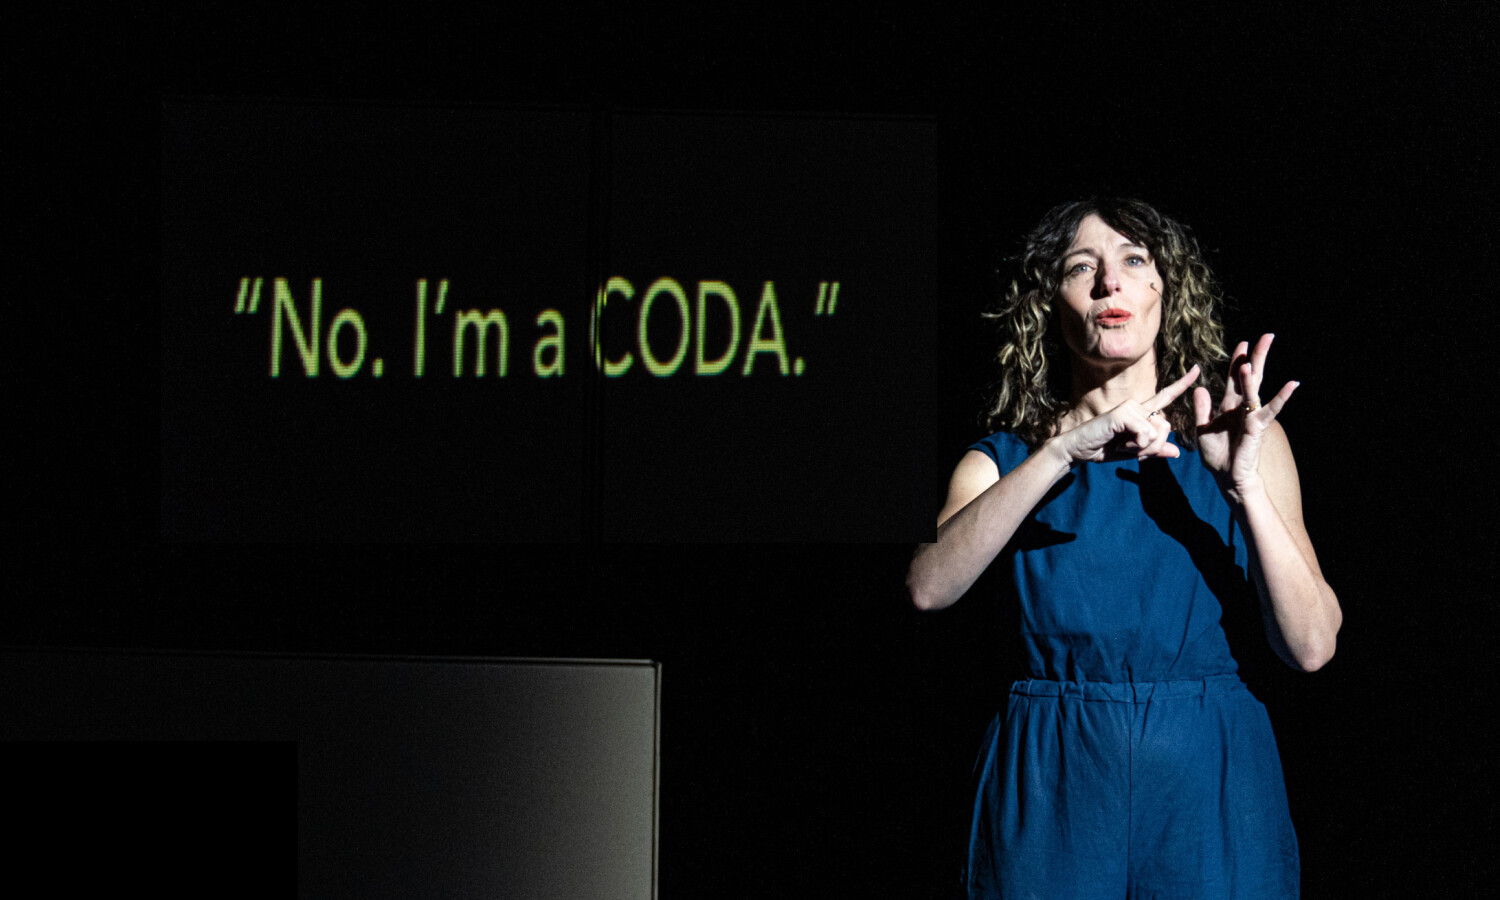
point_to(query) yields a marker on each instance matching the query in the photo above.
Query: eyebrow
(1128, 245)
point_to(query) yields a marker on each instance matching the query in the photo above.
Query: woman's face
(1111, 298)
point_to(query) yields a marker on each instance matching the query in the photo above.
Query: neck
(1098, 390)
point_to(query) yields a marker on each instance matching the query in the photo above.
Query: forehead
(1095, 234)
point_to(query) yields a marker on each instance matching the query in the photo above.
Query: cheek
(1074, 307)
(1074, 330)
(1155, 306)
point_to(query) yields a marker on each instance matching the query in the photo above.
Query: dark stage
(817, 733)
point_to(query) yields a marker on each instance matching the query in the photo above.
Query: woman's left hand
(1229, 441)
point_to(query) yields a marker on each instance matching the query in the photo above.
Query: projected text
(705, 328)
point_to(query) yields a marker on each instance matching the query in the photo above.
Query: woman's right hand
(1133, 428)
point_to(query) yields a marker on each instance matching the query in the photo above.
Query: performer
(1129, 511)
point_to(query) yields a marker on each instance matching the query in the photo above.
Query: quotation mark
(254, 291)
(824, 294)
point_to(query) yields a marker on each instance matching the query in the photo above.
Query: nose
(1107, 281)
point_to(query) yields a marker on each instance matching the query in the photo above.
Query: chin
(1119, 360)
(1119, 350)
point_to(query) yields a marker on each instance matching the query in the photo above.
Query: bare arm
(1302, 614)
(984, 510)
(1248, 453)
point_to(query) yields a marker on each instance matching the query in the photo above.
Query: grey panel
(416, 777)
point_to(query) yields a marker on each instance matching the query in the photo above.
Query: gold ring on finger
(1252, 405)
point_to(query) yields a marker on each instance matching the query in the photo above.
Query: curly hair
(1031, 395)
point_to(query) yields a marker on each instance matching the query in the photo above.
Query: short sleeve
(1003, 448)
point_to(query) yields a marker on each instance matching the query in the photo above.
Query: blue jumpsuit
(1133, 763)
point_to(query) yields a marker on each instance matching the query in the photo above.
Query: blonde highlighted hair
(1031, 394)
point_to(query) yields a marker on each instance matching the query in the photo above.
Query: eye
(1078, 268)
(1135, 259)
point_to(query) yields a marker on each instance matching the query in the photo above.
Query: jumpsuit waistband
(1128, 691)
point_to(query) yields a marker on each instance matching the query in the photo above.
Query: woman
(1133, 762)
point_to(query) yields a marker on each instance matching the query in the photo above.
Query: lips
(1112, 316)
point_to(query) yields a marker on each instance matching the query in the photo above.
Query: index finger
(1258, 356)
(1166, 395)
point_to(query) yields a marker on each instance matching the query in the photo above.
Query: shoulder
(1003, 448)
(973, 475)
(982, 464)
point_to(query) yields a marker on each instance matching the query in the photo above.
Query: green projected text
(705, 328)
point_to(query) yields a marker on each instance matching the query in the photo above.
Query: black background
(818, 734)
